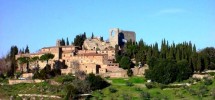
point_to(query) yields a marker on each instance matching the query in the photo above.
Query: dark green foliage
(184, 71)
(62, 42)
(101, 39)
(129, 72)
(79, 40)
(96, 82)
(27, 49)
(150, 85)
(202, 91)
(46, 73)
(92, 36)
(125, 62)
(168, 71)
(208, 81)
(11, 58)
(112, 90)
(208, 55)
(129, 84)
(46, 57)
(67, 41)
(145, 95)
(72, 92)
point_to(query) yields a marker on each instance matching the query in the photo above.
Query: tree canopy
(46, 57)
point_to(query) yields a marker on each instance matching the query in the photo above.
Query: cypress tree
(67, 41)
(92, 36)
(27, 49)
(62, 43)
(199, 63)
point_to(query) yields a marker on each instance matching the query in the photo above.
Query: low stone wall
(66, 71)
(200, 76)
(39, 95)
(27, 75)
(11, 82)
(115, 74)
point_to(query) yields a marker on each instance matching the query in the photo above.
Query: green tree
(96, 82)
(62, 42)
(22, 61)
(67, 41)
(27, 49)
(199, 63)
(184, 71)
(92, 36)
(125, 62)
(129, 72)
(35, 60)
(46, 57)
(11, 57)
(79, 40)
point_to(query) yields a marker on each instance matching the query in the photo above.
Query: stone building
(97, 56)
(120, 37)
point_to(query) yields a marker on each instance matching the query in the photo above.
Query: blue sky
(39, 23)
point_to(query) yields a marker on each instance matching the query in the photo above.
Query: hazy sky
(39, 23)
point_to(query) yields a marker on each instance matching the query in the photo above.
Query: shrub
(213, 93)
(112, 90)
(138, 89)
(145, 95)
(212, 73)
(129, 72)
(126, 97)
(202, 91)
(208, 81)
(96, 82)
(150, 85)
(129, 84)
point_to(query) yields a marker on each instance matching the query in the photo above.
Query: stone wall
(11, 82)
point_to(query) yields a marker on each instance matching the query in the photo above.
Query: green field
(119, 90)
(132, 88)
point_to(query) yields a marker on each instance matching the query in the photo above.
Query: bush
(162, 86)
(129, 84)
(145, 95)
(212, 73)
(202, 91)
(208, 81)
(129, 72)
(126, 97)
(96, 82)
(112, 90)
(138, 89)
(150, 85)
(213, 93)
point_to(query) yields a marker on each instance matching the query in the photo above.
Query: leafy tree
(24, 60)
(96, 82)
(35, 60)
(11, 57)
(184, 71)
(125, 62)
(79, 40)
(46, 57)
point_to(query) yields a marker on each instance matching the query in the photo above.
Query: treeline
(169, 58)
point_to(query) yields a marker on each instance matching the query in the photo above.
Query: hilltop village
(95, 56)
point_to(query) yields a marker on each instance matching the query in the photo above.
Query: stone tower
(120, 37)
(58, 43)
